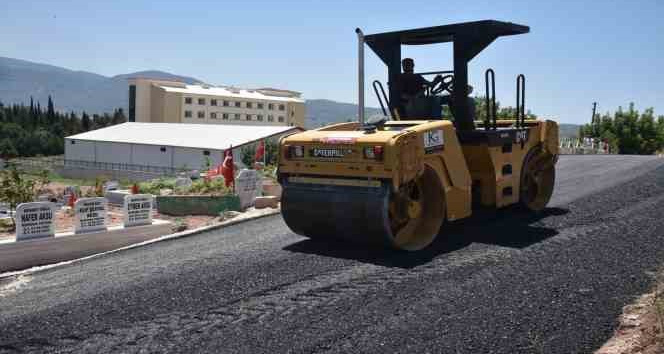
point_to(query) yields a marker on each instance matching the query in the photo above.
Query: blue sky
(577, 52)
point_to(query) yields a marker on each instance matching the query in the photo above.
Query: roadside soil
(641, 326)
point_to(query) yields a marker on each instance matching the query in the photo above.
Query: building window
(213, 115)
(201, 114)
(259, 117)
(281, 119)
(206, 153)
(73, 142)
(238, 104)
(237, 116)
(259, 105)
(270, 118)
(282, 107)
(224, 116)
(187, 114)
(162, 149)
(250, 105)
(226, 103)
(187, 100)
(201, 101)
(270, 106)
(248, 117)
(132, 103)
(213, 102)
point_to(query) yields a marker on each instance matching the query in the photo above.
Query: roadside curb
(172, 236)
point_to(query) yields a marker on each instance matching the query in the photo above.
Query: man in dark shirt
(410, 85)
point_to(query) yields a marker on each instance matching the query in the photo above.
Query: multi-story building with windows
(161, 101)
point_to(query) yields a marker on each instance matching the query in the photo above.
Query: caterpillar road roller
(395, 180)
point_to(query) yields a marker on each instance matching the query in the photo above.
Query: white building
(162, 146)
(162, 101)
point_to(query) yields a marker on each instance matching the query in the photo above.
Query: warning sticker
(433, 141)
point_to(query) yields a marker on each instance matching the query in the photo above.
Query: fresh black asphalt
(496, 283)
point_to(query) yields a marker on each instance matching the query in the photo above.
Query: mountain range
(78, 91)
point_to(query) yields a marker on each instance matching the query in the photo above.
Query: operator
(410, 85)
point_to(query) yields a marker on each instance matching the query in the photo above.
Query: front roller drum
(407, 219)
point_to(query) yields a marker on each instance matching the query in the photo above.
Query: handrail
(520, 101)
(380, 100)
(436, 72)
(490, 99)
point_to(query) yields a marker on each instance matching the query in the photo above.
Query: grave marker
(35, 220)
(137, 209)
(246, 187)
(90, 214)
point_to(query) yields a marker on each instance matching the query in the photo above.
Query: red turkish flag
(227, 168)
(260, 151)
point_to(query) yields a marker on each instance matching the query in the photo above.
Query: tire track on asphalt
(165, 332)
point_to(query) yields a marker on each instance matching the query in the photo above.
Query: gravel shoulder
(501, 284)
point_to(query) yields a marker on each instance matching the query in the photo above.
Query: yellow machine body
(474, 174)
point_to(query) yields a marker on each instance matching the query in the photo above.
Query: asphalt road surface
(500, 283)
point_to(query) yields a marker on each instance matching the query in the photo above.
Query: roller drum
(357, 214)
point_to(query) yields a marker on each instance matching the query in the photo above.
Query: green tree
(86, 124)
(247, 154)
(50, 112)
(15, 189)
(7, 149)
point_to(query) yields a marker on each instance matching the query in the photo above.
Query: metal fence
(586, 146)
(35, 164)
(50, 163)
(113, 166)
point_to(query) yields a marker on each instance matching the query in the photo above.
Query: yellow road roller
(394, 180)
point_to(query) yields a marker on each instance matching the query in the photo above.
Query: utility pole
(592, 121)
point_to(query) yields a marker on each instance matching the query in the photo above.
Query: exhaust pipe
(360, 75)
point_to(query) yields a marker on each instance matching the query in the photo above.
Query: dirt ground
(641, 329)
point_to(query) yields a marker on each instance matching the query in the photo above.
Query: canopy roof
(477, 31)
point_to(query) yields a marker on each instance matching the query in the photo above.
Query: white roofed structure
(163, 145)
(201, 136)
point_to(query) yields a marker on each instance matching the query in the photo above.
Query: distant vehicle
(395, 181)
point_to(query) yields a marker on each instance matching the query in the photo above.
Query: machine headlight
(373, 152)
(295, 151)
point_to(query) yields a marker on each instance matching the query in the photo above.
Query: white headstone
(111, 186)
(35, 220)
(183, 182)
(137, 209)
(246, 187)
(90, 214)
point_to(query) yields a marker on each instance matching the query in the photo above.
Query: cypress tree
(85, 122)
(50, 113)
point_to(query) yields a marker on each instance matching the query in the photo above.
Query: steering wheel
(445, 84)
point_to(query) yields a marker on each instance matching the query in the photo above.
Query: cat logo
(521, 136)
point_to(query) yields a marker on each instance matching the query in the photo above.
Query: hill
(569, 130)
(323, 112)
(71, 90)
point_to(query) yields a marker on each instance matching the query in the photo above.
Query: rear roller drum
(538, 177)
